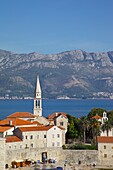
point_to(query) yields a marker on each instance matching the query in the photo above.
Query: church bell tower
(38, 99)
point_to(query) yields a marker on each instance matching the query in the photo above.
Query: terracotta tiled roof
(36, 122)
(13, 139)
(61, 128)
(37, 128)
(105, 139)
(15, 122)
(97, 117)
(57, 114)
(22, 115)
(4, 128)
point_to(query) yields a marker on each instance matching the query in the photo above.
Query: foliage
(106, 127)
(85, 129)
(95, 111)
(110, 116)
(83, 147)
(64, 146)
(73, 129)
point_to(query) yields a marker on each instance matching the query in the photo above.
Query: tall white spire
(38, 89)
(38, 99)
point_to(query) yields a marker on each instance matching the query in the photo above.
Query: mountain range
(70, 74)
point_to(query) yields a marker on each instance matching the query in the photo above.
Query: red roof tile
(15, 122)
(36, 122)
(97, 117)
(4, 128)
(57, 114)
(22, 115)
(105, 139)
(37, 128)
(13, 139)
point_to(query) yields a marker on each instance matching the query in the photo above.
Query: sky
(54, 26)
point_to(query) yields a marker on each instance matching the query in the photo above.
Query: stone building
(59, 119)
(31, 136)
(105, 150)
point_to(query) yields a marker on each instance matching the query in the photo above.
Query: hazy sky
(53, 26)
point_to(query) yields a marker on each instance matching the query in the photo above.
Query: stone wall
(2, 153)
(85, 156)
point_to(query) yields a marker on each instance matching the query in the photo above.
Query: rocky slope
(73, 74)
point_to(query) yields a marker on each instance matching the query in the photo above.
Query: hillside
(73, 74)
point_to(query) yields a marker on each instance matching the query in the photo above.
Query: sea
(74, 107)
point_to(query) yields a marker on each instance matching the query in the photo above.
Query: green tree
(72, 131)
(106, 127)
(110, 116)
(95, 129)
(84, 125)
(95, 111)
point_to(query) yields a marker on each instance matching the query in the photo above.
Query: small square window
(53, 144)
(44, 136)
(58, 143)
(104, 146)
(105, 155)
(31, 137)
(61, 123)
(31, 145)
(58, 135)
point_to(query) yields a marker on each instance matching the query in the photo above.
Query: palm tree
(85, 125)
(106, 127)
(95, 129)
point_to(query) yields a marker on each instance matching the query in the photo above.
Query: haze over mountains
(73, 74)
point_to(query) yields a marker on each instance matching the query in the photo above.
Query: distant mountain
(70, 74)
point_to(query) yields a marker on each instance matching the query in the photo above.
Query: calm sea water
(76, 108)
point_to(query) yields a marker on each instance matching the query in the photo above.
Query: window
(9, 147)
(31, 137)
(54, 128)
(53, 144)
(37, 136)
(105, 155)
(20, 146)
(26, 146)
(44, 136)
(26, 137)
(112, 147)
(58, 143)
(52, 135)
(58, 135)
(104, 146)
(15, 146)
(61, 123)
(31, 145)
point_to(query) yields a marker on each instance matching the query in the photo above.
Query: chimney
(10, 123)
(56, 114)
